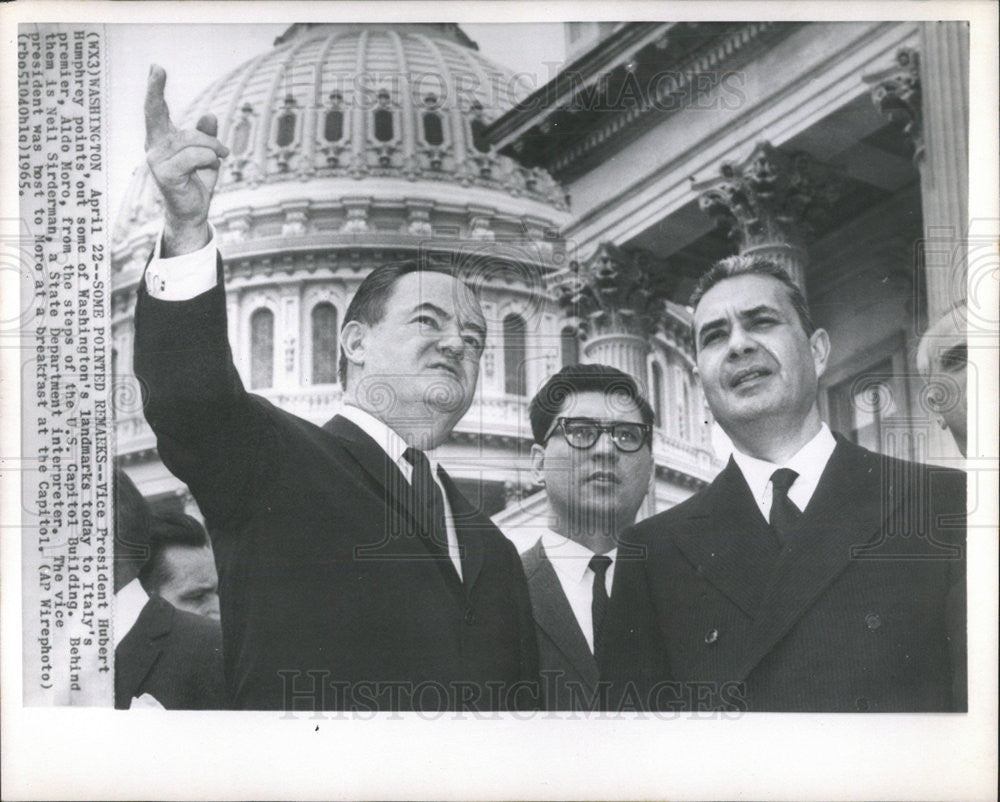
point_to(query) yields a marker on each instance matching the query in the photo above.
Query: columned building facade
(354, 145)
(838, 149)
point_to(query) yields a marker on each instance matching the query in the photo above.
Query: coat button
(711, 636)
(873, 620)
(470, 617)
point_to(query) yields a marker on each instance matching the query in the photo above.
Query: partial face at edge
(194, 584)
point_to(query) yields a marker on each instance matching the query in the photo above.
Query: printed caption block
(66, 517)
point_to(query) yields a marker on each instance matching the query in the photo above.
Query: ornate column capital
(774, 197)
(896, 93)
(614, 292)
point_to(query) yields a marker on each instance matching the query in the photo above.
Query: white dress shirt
(571, 562)
(129, 602)
(394, 446)
(183, 277)
(808, 462)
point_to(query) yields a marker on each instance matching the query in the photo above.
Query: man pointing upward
(352, 573)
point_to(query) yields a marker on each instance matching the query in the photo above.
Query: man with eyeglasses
(592, 452)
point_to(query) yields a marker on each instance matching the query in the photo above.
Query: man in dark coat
(352, 573)
(593, 453)
(811, 575)
(164, 657)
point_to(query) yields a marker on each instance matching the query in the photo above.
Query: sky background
(196, 55)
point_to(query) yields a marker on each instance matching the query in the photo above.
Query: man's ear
(819, 343)
(353, 339)
(538, 464)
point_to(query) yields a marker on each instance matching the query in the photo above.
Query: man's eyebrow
(762, 309)
(429, 307)
(718, 323)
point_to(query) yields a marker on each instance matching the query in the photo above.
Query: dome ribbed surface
(361, 101)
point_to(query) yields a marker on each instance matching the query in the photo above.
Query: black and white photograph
(589, 389)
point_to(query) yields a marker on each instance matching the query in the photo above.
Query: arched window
(286, 124)
(241, 137)
(569, 347)
(286, 129)
(479, 140)
(382, 117)
(685, 412)
(433, 131)
(333, 125)
(324, 344)
(261, 349)
(514, 356)
(657, 398)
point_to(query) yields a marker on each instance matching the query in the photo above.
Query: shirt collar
(569, 558)
(808, 462)
(379, 431)
(129, 602)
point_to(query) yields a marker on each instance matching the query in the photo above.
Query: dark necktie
(599, 564)
(784, 514)
(428, 503)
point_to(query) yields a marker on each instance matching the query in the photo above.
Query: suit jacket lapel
(380, 472)
(141, 648)
(846, 511)
(554, 615)
(728, 541)
(386, 480)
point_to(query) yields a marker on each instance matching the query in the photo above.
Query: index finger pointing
(157, 114)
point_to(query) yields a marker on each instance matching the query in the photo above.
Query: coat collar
(727, 540)
(141, 648)
(554, 615)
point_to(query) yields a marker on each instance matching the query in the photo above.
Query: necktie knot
(599, 564)
(782, 479)
(417, 458)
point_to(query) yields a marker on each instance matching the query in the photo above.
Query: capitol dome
(401, 106)
(353, 145)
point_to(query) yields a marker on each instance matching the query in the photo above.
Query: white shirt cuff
(181, 278)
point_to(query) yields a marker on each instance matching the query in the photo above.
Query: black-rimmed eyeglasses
(584, 432)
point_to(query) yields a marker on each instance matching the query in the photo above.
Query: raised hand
(185, 166)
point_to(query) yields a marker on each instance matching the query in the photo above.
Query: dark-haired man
(593, 453)
(164, 657)
(181, 565)
(353, 574)
(811, 575)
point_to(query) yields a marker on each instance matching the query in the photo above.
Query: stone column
(927, 95)
(615, 305)
(770, 204)
(944, 171)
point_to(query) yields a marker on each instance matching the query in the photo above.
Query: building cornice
(658, 69)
